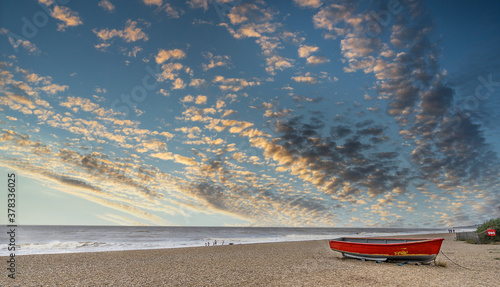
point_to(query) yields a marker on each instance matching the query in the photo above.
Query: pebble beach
(306, 263)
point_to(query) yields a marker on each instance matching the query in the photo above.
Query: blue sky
(251, 113)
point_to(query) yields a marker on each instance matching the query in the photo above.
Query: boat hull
(388, 249)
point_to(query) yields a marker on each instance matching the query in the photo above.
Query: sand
(309, 263)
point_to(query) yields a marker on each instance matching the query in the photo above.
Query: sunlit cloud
(165, 55)
(67, 16)
(233, 84)
(153, 2)
(308, 3)
(305, 51)
(198, 4)
(107, 5)
(131, 33)
(215, 61)
(307, 79)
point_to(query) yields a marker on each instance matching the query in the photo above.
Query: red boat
(392, 249)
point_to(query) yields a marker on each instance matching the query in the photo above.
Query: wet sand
(308, 263)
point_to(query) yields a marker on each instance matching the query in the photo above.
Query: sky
(298, 113)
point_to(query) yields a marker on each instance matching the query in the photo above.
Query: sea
(71, 239)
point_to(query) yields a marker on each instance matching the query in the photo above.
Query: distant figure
(215, 242)
(222, 242)
(208, 243)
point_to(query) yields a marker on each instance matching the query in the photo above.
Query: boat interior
(377, 240)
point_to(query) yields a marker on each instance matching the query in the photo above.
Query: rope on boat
(454, 261)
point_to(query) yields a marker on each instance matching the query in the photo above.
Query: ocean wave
(57, 246)
(71, 239)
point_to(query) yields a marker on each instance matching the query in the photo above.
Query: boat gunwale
(413, 241)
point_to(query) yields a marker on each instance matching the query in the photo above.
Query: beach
(306, 263)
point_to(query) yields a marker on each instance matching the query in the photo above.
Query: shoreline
(236, 243)
(297, 263)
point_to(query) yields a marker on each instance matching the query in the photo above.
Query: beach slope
(309, 263)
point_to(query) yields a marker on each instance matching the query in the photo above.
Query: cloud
(86, 105)
(178, 84)
(170, 71)
(275, 62)
(153, 2)
(305, 51)
(354, 46)
(17, 102)
(67, 16)
(71, 182)
(315, 60)
(107, 5)
(46, 2)
(217, 187)
(233, 84)
(165, 55)
(135, 50)
(185, 160)
(193, 132)
(449, 150)
(76, 102)
(76, 187)
(131, 33)
(253, 20)
(329, 16)
(100, 90)
(150, 145)
(28, 101)
(197, 83)
(171, 11)
(93, 176)
(215, 61)
(194, 4)
(26, 44)
(54, 88)
(187, 99)
(248, 12)
(340, 131)
(220, 104)
(163, 155)
(343, 169)
(26, 96)
(98, 164)
(307, 79)
(167, 8)
(299, 99)
(308, 3)
(200, 100)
